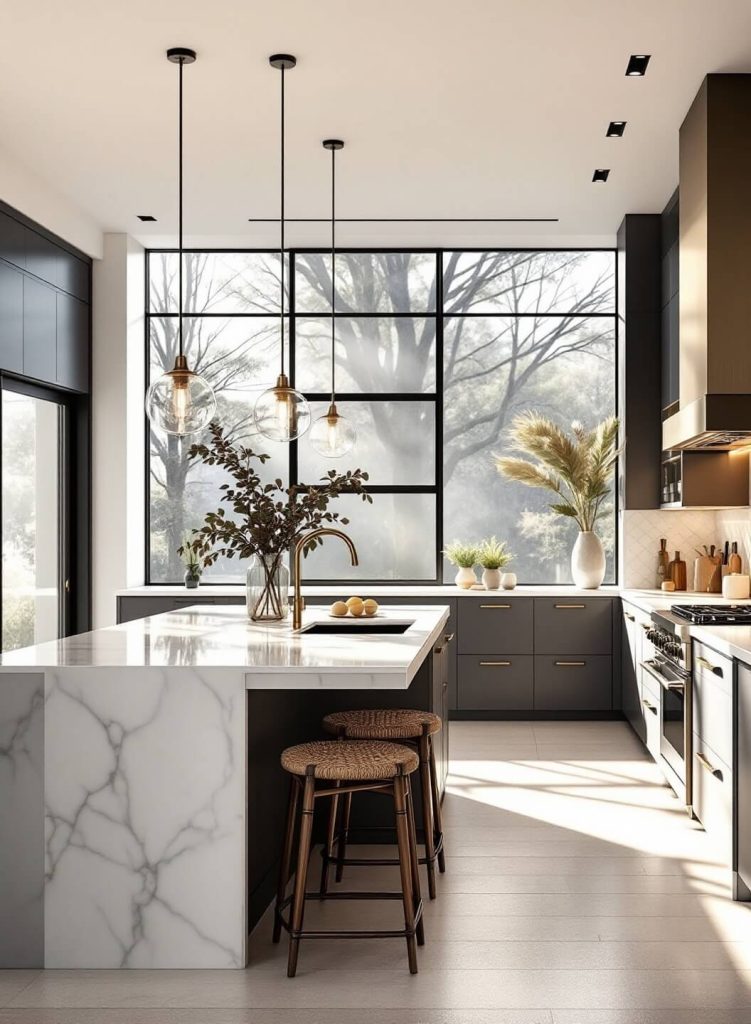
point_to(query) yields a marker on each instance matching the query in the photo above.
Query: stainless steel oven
(667, 659)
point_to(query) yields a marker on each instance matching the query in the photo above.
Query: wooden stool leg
(437, 812)
(289, 835)
(303, 856)
(423, 747)
(402, 838)
(414, 861)
(328, 852)
(341, 852)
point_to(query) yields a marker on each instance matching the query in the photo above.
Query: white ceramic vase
(588, 561)
(465, 577)
(508, 580)
(491, 579)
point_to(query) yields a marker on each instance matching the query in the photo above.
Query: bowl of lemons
(354, 606)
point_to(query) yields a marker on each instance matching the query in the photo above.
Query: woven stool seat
(343, 761)
(382, 724)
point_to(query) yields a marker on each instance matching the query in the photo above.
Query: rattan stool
(405, 726)
(346, 768)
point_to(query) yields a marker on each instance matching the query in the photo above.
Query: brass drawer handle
(570, 606)
(649, 707)
(495, 605)
(570, 664)
(714, 669)
(709, 767)
(448, 637)
(489, 664)
(630, 617)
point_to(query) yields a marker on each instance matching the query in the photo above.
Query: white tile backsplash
(735, 524)
(685, 530)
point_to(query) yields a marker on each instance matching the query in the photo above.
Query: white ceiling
(477, 108)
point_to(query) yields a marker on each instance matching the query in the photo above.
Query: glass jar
(267, 589)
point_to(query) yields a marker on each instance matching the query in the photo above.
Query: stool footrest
(379, 933)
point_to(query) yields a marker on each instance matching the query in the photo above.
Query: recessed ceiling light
(637, 64)
(145, 217)
(601, 174)
(616, 129)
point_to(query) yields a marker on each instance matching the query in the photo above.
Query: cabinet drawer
(713, 701)
(650, 702)
(713, 795)
(496, 683)
(573, 625)
(568, 682)
(490, 624)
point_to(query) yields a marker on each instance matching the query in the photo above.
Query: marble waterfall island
(141, 797)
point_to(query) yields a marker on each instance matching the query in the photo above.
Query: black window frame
(439, 315)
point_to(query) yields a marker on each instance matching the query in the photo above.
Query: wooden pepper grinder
(677, 572)
(735, 563)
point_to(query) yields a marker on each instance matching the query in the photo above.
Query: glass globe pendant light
(281, 413)
(180, 401)
(333, 435)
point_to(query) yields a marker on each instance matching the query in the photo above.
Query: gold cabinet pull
(489, 664)
(629, 616)
(495, 605)
(709, 766)
(648, 706)
(448, 637)
(570, 664)
(714, 669)
(570, 606)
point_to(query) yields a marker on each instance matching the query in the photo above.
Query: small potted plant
(188, 552)
(492, 556)
(465, 558)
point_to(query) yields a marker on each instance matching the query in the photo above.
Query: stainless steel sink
(363, 627)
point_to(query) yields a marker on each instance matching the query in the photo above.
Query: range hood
(714, 409)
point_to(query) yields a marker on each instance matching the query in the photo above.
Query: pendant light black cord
(181, 62)
(333, 276)
(281, 253)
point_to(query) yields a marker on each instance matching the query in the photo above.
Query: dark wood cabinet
(573, 625)
(494, 623)
(501, 683)
(39, 330)
(573, 683)
(11, 319)
(72, 343)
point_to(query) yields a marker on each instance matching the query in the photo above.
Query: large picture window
(436, 353)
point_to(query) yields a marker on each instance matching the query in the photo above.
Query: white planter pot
(588, 561)
(508, 580)
(465, 578)
(491, 579)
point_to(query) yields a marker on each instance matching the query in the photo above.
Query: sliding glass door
(33, 520)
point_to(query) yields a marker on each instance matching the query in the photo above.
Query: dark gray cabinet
(631, 697)
(496, 683)
(72, 344)
(11, 319)
(73, 275)
(573, 625)
(12, 240)
(669, 229)
(41, 257)
(573, 683)
(39, 330)
(492, 623)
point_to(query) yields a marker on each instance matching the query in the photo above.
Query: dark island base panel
(538, 716)
(281, 718)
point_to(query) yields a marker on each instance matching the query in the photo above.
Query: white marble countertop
(345, 590)
(273, 655)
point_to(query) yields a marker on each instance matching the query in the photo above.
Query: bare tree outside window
(516, 330)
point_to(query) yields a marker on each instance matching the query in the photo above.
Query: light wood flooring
(577, 891)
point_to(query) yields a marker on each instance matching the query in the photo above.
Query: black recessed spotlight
(145, 217)
(601, 174)
(637, 64)
(616, 129)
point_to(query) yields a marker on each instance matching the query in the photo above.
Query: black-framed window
(436, 351)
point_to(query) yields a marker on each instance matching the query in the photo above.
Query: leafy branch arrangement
(493, 553)
(576, 467)
(465, 556)
(269, 518)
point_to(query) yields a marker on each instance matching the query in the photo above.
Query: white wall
(118, 423)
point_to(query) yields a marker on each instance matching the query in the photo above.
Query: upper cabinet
(670, 312)
(45, 295)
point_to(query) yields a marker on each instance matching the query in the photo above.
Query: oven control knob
(673, 650)
(653, 636)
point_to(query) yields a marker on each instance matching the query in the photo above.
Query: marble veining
(144, 810)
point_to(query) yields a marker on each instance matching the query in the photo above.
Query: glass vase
(267, 589)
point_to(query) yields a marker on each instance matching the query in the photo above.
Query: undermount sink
(362, 627)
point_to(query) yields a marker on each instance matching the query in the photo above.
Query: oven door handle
(666, 684)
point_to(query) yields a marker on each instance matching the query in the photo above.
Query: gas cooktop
(714, 614)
